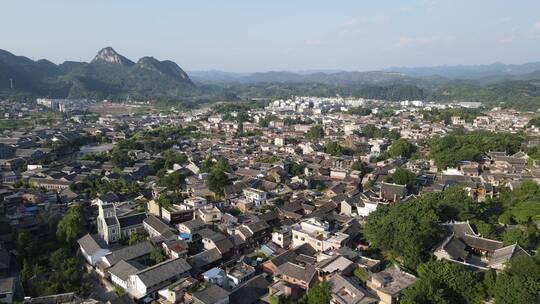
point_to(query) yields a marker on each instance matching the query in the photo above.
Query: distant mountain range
(108, 75)
(493, 71)
(112, 76)
(326, 77)
(470, 71)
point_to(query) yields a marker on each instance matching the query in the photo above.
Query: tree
(217, 180)
(403, 177)
(526, 238)
(401, 147)
(406, 230)
(360, 274)
(360, 111)
(519, 283)
(451, 204)
(458, 146)
(157, 256)
(136, 238)
(333, 148)
(173, 181)
(360, 166)
(319, 294)
(296, 169)
(316, 132)
(72, 226)
(443, 282)
(26, 271)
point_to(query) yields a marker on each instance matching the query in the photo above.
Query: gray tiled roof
(7, 285)
(251, 291)
(129, 252)
(503, 255)
(92, 243)
(211, 294)
(347, 291)
(123, 270)
(301, 273)
(163, 271)
(204, 258)
(394, 280)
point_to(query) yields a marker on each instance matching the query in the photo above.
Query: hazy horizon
(246, 36)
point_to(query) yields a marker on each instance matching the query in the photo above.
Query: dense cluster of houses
(271, 233)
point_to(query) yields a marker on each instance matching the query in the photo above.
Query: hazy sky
(258, 35)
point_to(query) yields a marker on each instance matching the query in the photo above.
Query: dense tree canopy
(333, 148)
(401, 147)
(173, 181)
(217, 179)
(442, 282)
(445, 115)
(450, 150)
(403, 177)
(72, 226)
(372, 131)
(519, 283)
(316, 132)
(407, 230)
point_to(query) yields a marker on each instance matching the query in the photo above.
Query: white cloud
(536, 29)
(418, 41)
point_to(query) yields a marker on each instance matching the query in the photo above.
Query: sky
(293, 35)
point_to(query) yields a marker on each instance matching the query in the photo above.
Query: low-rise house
(175, 214)
(389, 283)
(50, 183)
(393, 192)
(175, 248)
(504, 255)
(93, 248)
(7, 290)
(335, 264)
(303, 276)
(254, 233)
(215, 276)
(204, 260)
(464, 246)
(176, 292)
(136, 252)
(345, 290)
(212, 239)
(121, 271)
(156, 228)
(209, 215)
(212, 294)
(150, 280)
(5, 262)
(317, 233)
(251, 291)
(187, 229)
(255, 196)
(195, 203)
(239, 274)
(282, 237)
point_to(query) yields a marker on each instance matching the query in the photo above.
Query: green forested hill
(112, 76)
(109, 75)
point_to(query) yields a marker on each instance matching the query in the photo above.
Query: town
(301, 200)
